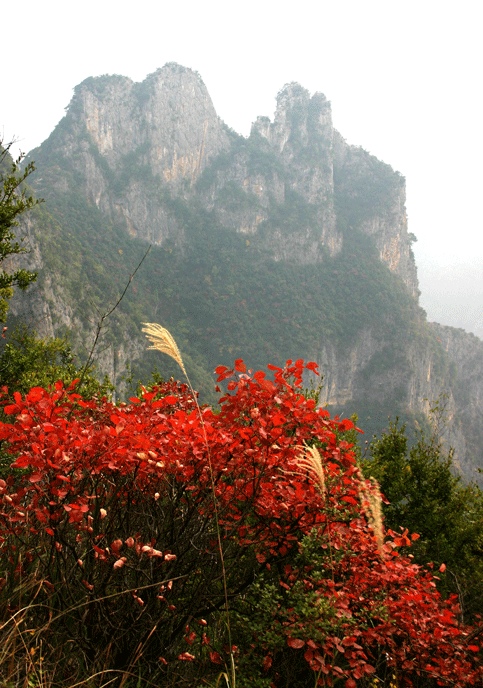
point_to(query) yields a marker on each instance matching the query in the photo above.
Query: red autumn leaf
(22, 462)
(349, 500)
(35, 477)
(35, 394)
(368, 669)
(240, 366)
(186, 657)
(223, 373)
(267, 663)
(215, 657)
(259, 376)
(295, 643)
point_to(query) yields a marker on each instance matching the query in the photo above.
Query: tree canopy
(426, 496)
(15, 199)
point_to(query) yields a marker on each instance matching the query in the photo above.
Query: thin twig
(103, 317)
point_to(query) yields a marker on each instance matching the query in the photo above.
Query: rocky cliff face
(436, 378)
(371, 197)
(302, 137)
(118, 135)
(124, 139)
(288, 243)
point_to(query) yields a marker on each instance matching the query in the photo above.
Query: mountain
(287, 244)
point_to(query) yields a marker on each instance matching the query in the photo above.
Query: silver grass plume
(162, 340)
(309, 459)
(371, 501)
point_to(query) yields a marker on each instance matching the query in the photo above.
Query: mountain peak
(166, 123)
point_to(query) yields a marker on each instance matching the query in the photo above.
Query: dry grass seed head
(371, 501)
(310, 460)
(162, 340)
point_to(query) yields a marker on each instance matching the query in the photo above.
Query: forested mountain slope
(286, 244)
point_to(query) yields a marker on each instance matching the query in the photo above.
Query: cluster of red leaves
(70, 455)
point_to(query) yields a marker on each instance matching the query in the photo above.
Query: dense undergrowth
(111, 519)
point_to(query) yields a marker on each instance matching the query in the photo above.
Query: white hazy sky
(404, 79)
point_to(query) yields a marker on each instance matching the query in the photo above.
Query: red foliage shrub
(111, 509)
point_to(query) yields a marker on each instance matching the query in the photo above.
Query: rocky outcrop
(118, 136)
(371, 197)
(464, 352)
(167, 122)
(302, 135)
(436, 375)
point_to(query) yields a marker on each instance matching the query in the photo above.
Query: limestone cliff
(371, 197)
(118, 136)
(436, 375)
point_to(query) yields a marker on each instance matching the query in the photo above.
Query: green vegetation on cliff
(15, 199)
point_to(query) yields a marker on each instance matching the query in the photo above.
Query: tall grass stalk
(22, 660)
(371, 501)
(309, 461)
(162, 340)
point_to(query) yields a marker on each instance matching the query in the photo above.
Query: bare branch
(104, 316)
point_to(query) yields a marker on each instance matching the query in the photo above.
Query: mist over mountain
(444, 294)
(287, 244)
